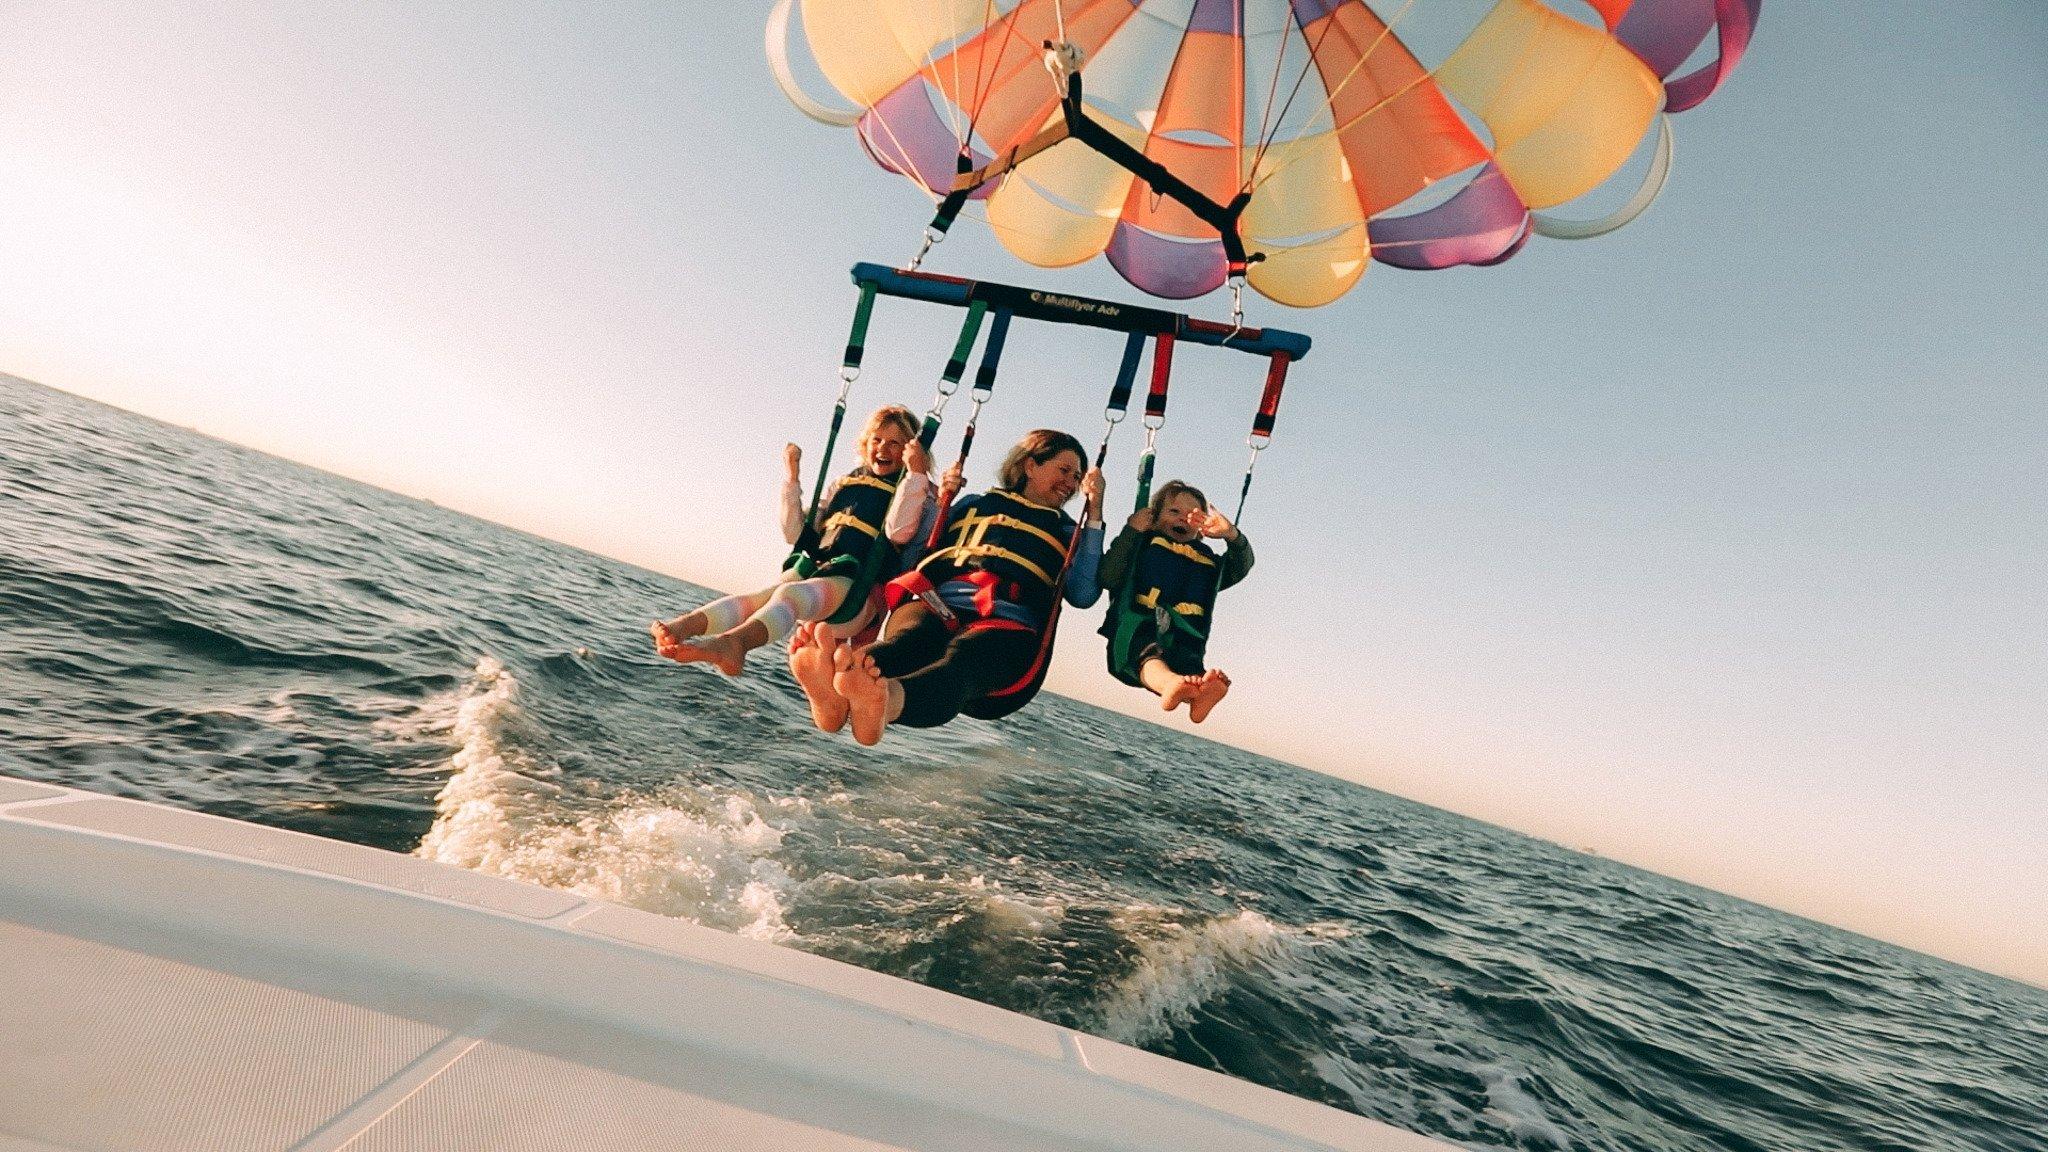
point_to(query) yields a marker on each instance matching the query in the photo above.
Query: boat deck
(187, 983)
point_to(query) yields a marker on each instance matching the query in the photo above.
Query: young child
(1159, 626)
(864, 521)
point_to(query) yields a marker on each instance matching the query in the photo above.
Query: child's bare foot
(669, 633)
(1182, 691)
(811, 663)
(1214, 687)
(724, 652)
(860, 684)
(664, 640)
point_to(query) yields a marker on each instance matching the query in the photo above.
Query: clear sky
(1715, 545)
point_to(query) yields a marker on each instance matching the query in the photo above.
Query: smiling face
(881, 447)
(1181, 518)
(1052, 482)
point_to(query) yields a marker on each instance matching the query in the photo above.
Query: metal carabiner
(931, 238)
(1236, 308)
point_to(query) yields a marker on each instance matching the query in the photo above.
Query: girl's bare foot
(811, 663)
(1182, 691)
(669, 633)
(723, 652)
(664, 640)
(1214, 687)
(860, 684)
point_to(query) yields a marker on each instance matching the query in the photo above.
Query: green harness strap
(799, 559)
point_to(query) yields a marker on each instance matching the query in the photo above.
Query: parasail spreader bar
(1062, 308)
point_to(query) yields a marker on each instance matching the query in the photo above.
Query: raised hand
(793, 461)
(916, 458)
(1218, 526)
(1091, 487)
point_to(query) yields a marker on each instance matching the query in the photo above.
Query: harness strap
(973, 528)
(1155, 414)
(844, 519)
(849, 371)
(963, 553)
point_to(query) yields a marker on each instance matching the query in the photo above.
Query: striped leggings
(780, 608)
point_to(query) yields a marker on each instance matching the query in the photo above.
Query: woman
(999, 570)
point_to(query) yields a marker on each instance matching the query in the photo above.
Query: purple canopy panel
(904, 133)
(1174, 269)
(1307, 12)
(1664, 32)
(1485, 223)
(1216, 16)
(1737, 20)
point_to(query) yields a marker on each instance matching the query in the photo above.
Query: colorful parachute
(1419, 133)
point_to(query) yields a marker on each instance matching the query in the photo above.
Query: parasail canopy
(1288, 141)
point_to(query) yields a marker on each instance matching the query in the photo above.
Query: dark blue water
(191, 622)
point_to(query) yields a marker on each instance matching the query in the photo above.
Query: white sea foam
(693, 854)
(1181, 968)
(1508, 1102)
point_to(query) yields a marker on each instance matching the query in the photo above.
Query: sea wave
(506, 810)
(1179, 967)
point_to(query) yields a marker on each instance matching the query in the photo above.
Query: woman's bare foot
(1182, 691)
(1214, 687)
(860, 684)
(810, 661)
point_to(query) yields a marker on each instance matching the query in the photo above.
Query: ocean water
(199, 624)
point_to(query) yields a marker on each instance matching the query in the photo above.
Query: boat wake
(508, 810)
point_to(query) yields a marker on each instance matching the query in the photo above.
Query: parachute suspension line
(849, 371)
(1329, 22)
(1331, 92)
(1266, 109)
(985, 73)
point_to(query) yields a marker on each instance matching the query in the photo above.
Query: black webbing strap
(1126, 375)
(1222, 217)
(857, 340)
(985, 378)
(949, 208)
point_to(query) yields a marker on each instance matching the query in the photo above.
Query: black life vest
(1166, 599)
(852, 524)
(850, 541)
(1021, 544)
